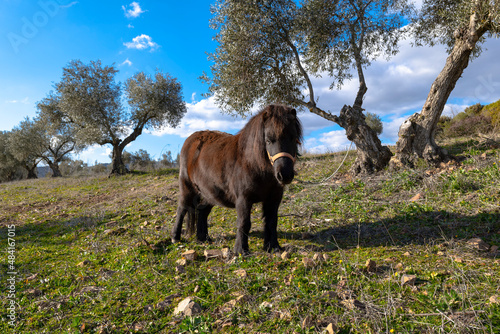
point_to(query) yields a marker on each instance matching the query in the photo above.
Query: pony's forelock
(279, 117)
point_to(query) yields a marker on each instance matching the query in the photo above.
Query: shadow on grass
(424, 228)
(419, 229)
(459, 147)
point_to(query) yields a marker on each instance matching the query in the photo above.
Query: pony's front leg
(270, 213)
(243, 209)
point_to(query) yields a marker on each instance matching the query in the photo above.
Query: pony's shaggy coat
(217, 168)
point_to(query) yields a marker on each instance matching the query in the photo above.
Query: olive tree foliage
(89, 98)
(268, 51)
(56, 138)
(42, 139)
(255, 61)
(461, 25)
(10, 168)
(449, 21)
(343, 35)
(24, 145)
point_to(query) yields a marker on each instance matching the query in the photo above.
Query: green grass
(84, 261)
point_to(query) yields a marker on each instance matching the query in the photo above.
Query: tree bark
(56, 172)
(118, 167)
(31, 172)
(416, 134)
(371, 156)
(119, 145)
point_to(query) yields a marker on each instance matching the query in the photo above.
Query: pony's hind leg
(203, 211)
(185, 207)
(177, 230)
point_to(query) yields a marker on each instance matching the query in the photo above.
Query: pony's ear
(293, 112)
(267, 112)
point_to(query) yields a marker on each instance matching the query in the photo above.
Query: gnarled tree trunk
(118, 167)
(56, 172)
(31, 172)
(371, 155)
(416, 134)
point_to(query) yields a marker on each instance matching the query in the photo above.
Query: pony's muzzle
(284, 171)
(285, 174)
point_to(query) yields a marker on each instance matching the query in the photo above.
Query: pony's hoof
(273, 248)
(205, 239)
(241, 251)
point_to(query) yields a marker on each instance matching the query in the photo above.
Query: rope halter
(273, 158)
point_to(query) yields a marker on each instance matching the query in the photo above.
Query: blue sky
(38, 38)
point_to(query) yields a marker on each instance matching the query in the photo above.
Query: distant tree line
(136, 161)
(85, 109)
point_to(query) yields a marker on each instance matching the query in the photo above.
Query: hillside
(397, 252)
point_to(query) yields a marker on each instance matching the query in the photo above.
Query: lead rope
(333, 174)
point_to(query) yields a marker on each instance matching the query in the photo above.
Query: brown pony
(237, 171)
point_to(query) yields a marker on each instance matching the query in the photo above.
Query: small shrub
(474, 109)
(468, 125)
(374, 122)
(444, 122)
(493, 111)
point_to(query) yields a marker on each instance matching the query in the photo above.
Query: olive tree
(24, 145)
(269, 50)
(57, 141)
(42, 139)
(10, 167)
(89, 98)
(461, 25)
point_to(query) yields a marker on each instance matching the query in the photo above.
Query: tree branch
(358, 101)
(287, 40)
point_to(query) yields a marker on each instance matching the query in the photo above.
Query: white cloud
(130, 26)
(391, 129)
(23, 101)
(126, 62)
(95, 153)
(203, 115)
(327, 142)
(133, 10)
(418, 3)
(142, 42)
(453, 109)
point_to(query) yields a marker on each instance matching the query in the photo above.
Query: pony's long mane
(252, 138)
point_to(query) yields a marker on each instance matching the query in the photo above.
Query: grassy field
(93, 254)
